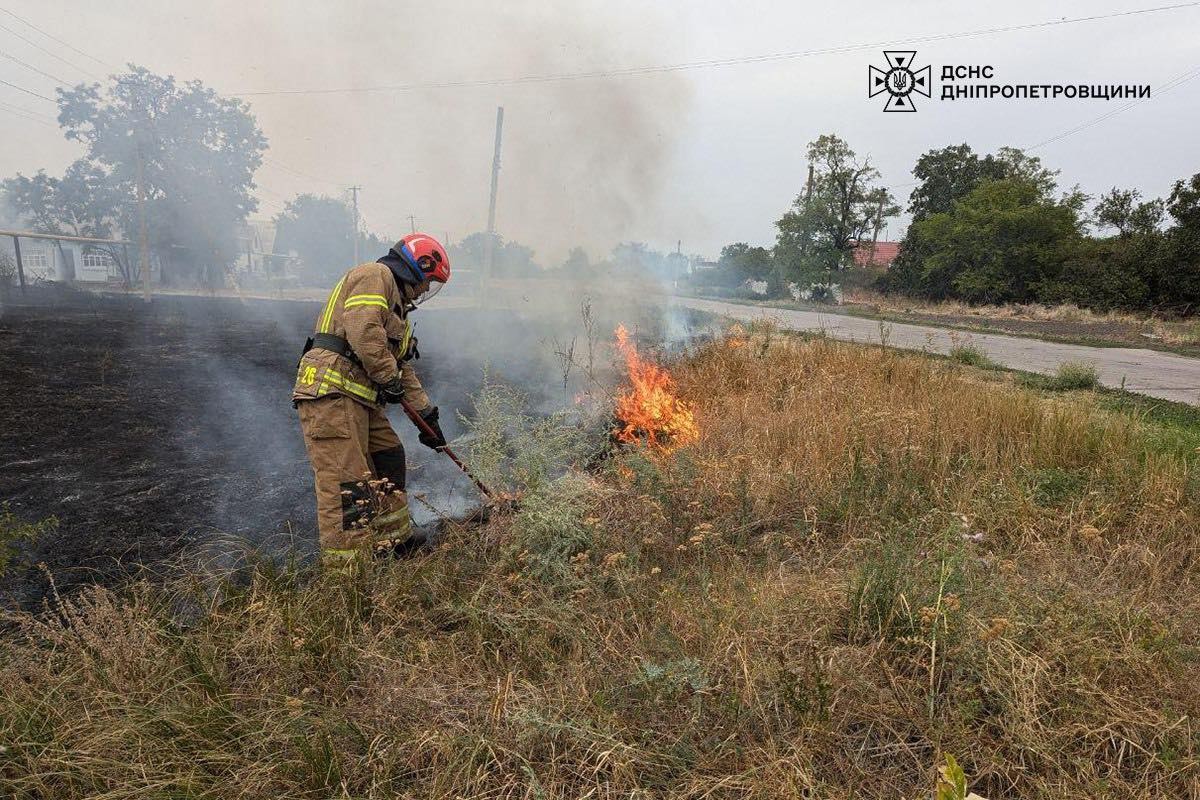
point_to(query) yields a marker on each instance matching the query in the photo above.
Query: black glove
(392, 391)
(430, 417)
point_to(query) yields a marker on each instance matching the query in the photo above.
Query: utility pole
(808, 186)
(143, 244)
(490, 245)
(354, 190)
(412, 224)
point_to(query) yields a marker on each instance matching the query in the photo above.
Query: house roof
(884, 254)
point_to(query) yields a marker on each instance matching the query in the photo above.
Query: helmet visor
(434, 288)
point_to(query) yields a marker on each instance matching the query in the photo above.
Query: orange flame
(650, 410)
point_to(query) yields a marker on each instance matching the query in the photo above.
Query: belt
(336, 344)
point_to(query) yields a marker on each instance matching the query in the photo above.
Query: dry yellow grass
(868, 559)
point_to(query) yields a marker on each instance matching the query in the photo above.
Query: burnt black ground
(148, 429)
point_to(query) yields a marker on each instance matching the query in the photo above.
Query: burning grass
(865, 560)
(650, 409)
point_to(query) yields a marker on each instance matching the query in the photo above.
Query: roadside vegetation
(869, 566)
(995, 240)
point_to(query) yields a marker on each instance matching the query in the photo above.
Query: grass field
(868, 561)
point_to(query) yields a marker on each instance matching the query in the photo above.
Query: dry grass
(868, 560)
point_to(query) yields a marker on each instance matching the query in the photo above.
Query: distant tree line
(994, 228)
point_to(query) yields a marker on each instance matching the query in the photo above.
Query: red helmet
(428, 254)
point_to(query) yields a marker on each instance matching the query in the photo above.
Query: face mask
(434, 288)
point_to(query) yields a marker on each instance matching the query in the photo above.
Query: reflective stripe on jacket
(367, 309)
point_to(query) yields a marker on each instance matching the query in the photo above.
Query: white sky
(709, 156)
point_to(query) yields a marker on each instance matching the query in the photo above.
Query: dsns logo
(899, 81)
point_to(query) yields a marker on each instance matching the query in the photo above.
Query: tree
(945, 177)
(1178, 284)
(842, 206)
(576, 263)
(638, 259)
(195, 152)
(84, 202)
(320, 231)
(1120, 209)
(1001, 243)
(951, 173)
(744, 262)
(509, 259)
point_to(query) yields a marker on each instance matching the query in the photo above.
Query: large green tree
(842, 206)
(946, 176)
(193, 151)
(744, 262)
(999, 244)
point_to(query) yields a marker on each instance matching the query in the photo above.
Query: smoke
(583, 164)
(583, 160)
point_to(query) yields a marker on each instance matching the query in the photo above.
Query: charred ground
(148, 429)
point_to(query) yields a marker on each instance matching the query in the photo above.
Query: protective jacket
(369, 312)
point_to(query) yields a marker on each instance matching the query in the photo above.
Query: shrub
(14, 532)
(971, 355)
(1075, 375)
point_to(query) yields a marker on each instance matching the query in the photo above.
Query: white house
(64, 260)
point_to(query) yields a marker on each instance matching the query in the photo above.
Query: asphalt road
(1148, 372)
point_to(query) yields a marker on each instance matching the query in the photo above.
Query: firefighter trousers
(358, 465)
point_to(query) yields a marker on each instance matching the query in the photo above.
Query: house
(255, 243)
(50, 259)
(875, 255)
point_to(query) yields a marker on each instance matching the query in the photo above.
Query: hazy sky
(709, 155)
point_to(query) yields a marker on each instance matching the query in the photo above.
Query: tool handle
(423, 426)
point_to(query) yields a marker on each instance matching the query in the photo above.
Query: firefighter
(358, 359)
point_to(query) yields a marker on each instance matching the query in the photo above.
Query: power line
(719, 62)
(50, 53)
(31, 67)
(299, 173)
(29, 116)
(26, 91)
(1173, 83)
(30, 112)
(52, 36)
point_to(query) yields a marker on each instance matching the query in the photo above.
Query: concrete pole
(354, 190)
(490, 244)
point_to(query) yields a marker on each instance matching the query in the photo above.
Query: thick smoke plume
(582, 159)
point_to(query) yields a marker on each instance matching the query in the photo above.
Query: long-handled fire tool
(423, 426)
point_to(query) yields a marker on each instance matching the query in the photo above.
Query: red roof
(884, 254)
